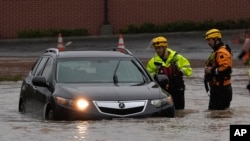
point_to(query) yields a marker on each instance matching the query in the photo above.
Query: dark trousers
(220, 97)
(178, 98)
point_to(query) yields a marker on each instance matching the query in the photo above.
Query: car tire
(49, 114)
(21, 107)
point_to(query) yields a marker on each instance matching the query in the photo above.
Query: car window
(128, 72)
(48, 68)
(34, 67)
(73, 70)
(39, 66)
(98, 70)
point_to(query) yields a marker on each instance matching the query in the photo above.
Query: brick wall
(17, 15)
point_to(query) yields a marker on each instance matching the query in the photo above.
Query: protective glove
(241, 55)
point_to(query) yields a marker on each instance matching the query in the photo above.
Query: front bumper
(115, 109)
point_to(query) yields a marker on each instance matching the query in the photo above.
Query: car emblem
(121, 105)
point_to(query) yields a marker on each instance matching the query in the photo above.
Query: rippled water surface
(193, 123)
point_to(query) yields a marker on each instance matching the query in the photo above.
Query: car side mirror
(39, 81)
(162, 80)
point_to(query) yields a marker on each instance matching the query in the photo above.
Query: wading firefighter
(174, 65)
(245, 55)
(218, 69)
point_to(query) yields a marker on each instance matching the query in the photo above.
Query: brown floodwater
(193, 123)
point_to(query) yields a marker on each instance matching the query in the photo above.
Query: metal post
(106, 12)
(106, 28)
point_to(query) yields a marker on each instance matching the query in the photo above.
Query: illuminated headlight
(162, 102)
(80, 104)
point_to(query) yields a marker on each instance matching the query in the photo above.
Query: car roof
(76, 54)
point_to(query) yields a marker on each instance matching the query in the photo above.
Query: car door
(42, 94)
(28, 88)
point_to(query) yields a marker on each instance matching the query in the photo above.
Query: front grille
(121, 108)
(121, 111)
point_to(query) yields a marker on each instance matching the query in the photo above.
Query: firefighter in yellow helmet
(218, 69)
(174, 65)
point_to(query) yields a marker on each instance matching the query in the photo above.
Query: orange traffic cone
(121, 42)
(60, 46)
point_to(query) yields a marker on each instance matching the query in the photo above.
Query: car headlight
(162, 102)
(80, 104)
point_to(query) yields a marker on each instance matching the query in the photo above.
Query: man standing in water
(245, 55)
(174, 65)
(218, 71)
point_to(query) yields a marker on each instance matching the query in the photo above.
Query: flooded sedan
(195, 122)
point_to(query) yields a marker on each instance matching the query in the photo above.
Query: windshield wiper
(115, 78)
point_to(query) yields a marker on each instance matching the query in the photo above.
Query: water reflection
(220, 113)
(82, 128)
(183, 113)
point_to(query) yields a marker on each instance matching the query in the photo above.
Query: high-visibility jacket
(182, 64)
(221, 63)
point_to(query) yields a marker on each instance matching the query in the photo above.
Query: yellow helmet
(213, 33)
(160, 41)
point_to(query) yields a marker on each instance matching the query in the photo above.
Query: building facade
(19, 15)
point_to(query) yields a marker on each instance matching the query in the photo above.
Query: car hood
(108, 92)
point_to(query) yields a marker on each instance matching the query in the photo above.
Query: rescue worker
(218, 71)
(245, 55)
(169, 62)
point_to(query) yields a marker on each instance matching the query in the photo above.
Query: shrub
(186, 26)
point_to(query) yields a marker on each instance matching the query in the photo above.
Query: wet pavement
(193, 123)
(191, 44)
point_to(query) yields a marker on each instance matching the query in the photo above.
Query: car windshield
(99, 70)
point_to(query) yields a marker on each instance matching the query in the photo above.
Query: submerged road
(192, 124)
